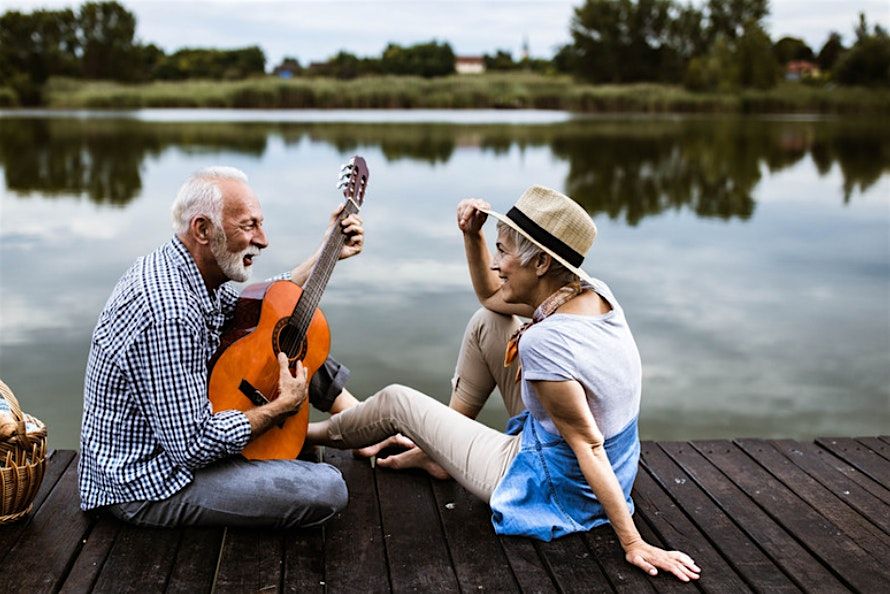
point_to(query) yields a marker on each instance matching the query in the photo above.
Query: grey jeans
(246, 493)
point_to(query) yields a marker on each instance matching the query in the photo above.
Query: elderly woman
(567, 462)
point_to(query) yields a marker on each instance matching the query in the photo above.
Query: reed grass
(494, 90)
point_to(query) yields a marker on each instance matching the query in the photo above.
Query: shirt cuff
(237, 429)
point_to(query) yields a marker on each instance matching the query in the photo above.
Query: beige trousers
(475, 455)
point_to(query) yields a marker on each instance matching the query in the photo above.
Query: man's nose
(260, 239)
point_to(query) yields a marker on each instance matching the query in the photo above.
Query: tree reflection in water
(627, 169)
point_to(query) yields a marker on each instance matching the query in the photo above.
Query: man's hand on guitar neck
(292, 392)
(351, 227)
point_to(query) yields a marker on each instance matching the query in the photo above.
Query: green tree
(423, 59)
(211, 64)
(625, 40)
(288, 67)
(789, 49)
(501, 60)
(732, 64)
(867, 63)
(34, 47)
(733, 18)
(107, 32)
(830, 52)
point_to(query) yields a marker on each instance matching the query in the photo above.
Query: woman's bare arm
(566, 404)
(485, 281)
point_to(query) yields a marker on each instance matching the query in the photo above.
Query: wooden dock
(756, 515)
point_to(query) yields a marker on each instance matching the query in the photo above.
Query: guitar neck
(320, 274)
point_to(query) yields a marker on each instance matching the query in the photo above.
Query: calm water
(752, 255)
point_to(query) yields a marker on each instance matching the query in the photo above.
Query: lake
(751, 254)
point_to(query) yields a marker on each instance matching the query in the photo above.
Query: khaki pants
(475, 455)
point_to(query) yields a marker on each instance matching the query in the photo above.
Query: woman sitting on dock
(567, 463)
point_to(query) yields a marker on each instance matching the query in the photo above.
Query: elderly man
(152, 451)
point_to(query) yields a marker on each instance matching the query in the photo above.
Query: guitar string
(300, 320)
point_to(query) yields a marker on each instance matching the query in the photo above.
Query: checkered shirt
(147, 422)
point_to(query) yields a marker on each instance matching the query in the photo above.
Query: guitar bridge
(252, 393)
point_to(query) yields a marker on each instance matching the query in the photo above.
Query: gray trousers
(246, 493)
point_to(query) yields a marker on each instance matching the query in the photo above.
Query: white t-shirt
(599, 352)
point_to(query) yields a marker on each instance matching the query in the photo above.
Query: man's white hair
(200, 195)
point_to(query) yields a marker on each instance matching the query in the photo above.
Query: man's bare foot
(414, 458)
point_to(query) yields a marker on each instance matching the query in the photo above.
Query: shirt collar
(182, 258)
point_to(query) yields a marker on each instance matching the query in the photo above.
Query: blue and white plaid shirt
(147, 421)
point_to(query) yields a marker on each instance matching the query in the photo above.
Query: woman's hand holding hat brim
(472, 214)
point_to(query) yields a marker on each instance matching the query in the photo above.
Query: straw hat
(555, 223)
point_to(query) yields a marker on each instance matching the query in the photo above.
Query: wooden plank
(250, 561)
(38, 562)
(140, 560)
(858, 528)
(355, 555)
(92, 557)
(885, 438)
(624, 577)
(476, 554)
(526, 564)
(859, 456)
(56, 464)
(840, 465)
(415, 545)
(839, 484)
(573, 566)
(304, 560)
(826, 540)
(196, 559)
(678, 532)
(806, 571)
(761, 573)
(878, 446)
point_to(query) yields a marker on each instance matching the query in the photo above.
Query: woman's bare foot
(412, 457)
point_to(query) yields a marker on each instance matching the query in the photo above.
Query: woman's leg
(480, 364)
(475, 455)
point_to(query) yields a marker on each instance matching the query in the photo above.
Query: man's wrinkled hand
(292, 389)
(351, 227)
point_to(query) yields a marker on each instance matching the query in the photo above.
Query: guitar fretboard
(318, 280)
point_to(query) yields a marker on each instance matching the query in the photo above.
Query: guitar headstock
(354, 180)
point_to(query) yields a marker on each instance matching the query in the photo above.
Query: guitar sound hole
(285, 338)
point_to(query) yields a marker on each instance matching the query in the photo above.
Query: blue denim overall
(544, 495)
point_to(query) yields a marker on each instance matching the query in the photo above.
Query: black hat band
(545, 238)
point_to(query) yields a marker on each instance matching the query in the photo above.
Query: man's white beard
(231, 263)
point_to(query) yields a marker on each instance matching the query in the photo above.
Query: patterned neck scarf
(549, 306)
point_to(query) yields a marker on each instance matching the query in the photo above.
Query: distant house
(469, 64)
(801, 69)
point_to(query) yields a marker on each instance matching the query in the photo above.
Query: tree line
(720, 46)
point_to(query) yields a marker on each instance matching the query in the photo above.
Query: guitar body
(247, 358)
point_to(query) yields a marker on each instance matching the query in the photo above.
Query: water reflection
(627, 169)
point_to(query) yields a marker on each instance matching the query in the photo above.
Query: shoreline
(500, 92)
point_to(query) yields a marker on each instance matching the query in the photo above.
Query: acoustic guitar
(278, 316)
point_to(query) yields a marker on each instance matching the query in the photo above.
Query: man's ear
(201, 229)
(542, 263)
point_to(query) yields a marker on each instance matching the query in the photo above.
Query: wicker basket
(22, 461)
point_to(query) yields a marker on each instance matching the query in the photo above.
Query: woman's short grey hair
(527, 251)
(200, 195)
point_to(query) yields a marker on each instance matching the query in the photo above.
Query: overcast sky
(313, 30)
